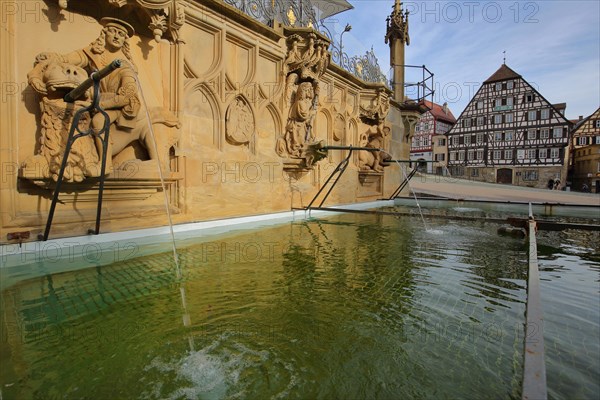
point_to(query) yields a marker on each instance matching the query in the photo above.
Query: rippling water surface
(352, 306)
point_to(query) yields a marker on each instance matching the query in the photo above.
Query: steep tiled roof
(503, 73)
(560, 106)
(438, 112)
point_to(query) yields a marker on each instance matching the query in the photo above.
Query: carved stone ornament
(55, 74)
(307, 60)
(298, 129)
(373, 161)
(239, 123)
(164, 15)
(397, 25)
(307, 56)
(379, 108)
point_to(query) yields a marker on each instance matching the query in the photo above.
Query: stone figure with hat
(119, 97)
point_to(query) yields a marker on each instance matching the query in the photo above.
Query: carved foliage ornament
(307, 56)
(165, 15)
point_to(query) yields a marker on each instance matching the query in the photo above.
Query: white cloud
(555, 44)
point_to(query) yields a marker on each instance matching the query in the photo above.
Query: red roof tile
(438, 112)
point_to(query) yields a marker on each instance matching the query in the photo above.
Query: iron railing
(300, 13)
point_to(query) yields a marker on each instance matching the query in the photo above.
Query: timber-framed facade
(437, 121)
(585, 150)
(509, 133)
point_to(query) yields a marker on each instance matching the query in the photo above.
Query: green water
(352, 306)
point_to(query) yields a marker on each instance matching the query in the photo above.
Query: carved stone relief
(339, 129)
(373, 161)
(54, 75)
(378, 109)
(239, 123)
(306, 62)
(374, 115)
(165, 15)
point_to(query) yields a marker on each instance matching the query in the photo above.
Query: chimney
(581, 117)
(445, 108)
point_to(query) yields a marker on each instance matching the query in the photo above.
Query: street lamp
(346, 29)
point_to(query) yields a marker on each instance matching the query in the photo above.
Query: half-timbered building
(585, 150)
(437, 121)
(509, 133)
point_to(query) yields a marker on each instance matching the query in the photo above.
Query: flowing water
(350, 306)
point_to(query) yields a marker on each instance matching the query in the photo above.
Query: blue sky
(554, 45)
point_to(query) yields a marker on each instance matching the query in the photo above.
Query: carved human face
(306, 91)
(115, 37)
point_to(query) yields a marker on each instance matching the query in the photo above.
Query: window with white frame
(461, 155)
(509, 101)
(531, 154)
(582, 141)
(455, 141)
(554, 153)
(508, 154)
(466, 123)
(440, 157)
(597, 140)
(474, 172)
(498, 86)
(508, 118)
(543, 153)
(520, 154)
(498, 136)
(544, 133)
(545, 113)
(498, 102)
(452, 156)
(531, 134)
(530, 175)
(470, 155)
(479, 154)
(532, 115)
(509, 85)
(479, 138)
(467, 139)
(497, 154)
(480, 105)
(557, 133)
(497, 119)
(479, 121)
(509, 135)
(441, 142)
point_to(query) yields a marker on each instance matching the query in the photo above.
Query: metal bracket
(75, 133)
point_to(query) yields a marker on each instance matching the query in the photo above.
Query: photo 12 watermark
(473, 11)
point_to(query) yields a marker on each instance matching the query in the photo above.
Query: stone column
(397, 37)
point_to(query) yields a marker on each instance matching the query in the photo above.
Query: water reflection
(344, 307)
